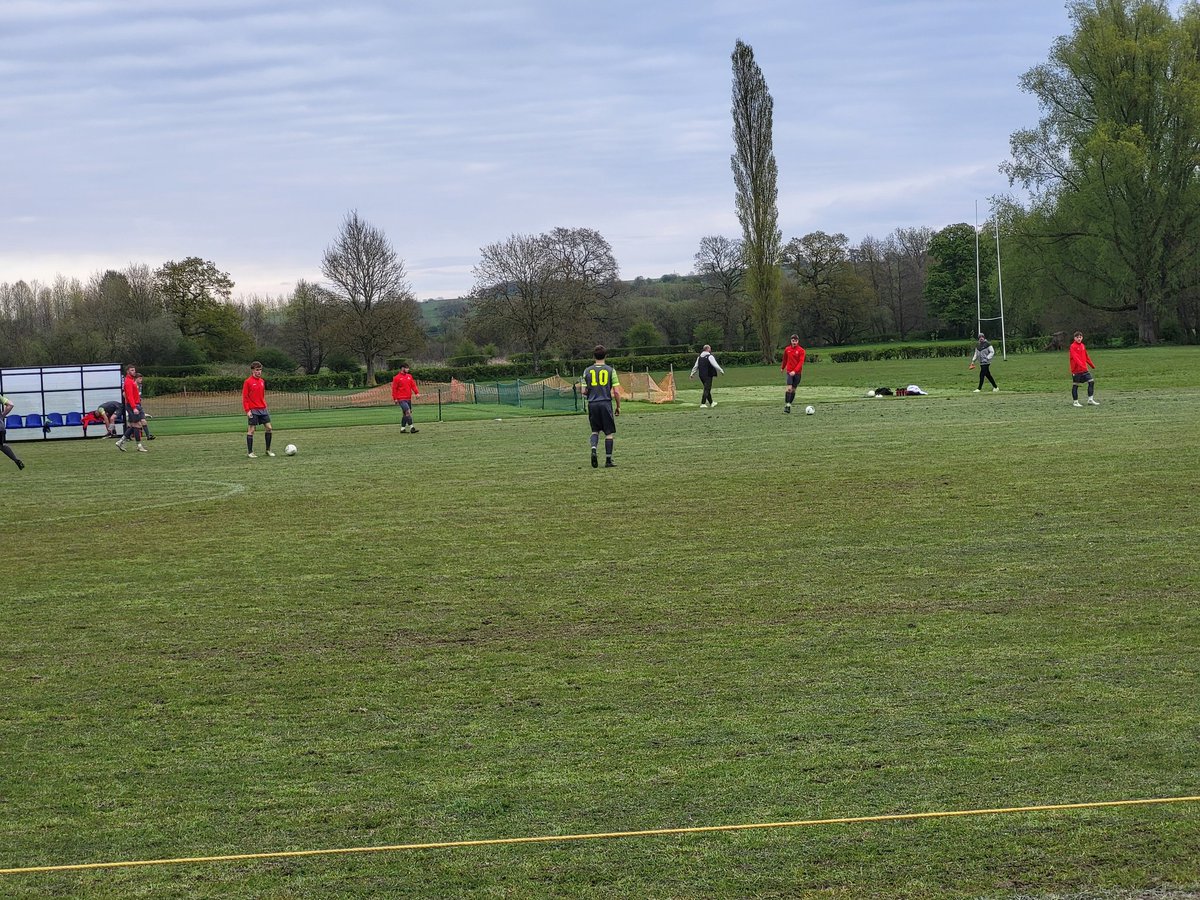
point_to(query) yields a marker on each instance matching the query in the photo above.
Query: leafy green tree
(832, 297)
(643, 334)
(1112, 162)
(755, 178)
(191, 290)
(950, 289)
(377, 312)
(708, 332)
(220, 334)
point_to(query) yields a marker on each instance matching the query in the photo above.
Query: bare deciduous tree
(308, 325)
(377, 311)
(545, 288)
(721, 265)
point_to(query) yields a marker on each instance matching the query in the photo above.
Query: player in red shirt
(1080, 362)
(254, 402)
(132, 395)
(404, 388)
(793, 365)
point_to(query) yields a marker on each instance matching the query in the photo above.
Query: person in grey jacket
(984, 353)
(707, 368)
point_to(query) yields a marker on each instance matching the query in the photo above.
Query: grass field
(906, 605)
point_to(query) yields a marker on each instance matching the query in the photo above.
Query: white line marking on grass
(231, 488)
(595, 836)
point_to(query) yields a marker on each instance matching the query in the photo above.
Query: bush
(274, 359)
(342, 362)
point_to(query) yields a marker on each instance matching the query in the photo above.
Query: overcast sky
(243, 131)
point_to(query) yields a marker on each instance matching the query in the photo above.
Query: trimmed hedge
(157, 386)
(934, 351)
(174, 371)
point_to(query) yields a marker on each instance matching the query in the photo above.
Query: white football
(870, 393)
(808, 410)
(290, 449)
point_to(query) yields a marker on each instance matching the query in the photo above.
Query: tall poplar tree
(755, 178)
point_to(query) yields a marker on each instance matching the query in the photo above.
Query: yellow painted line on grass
(596, 836)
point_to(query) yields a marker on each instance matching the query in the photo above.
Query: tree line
(1109, 242)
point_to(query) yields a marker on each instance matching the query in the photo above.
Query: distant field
(943, 603)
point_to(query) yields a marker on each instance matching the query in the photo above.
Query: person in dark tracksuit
(707, 368)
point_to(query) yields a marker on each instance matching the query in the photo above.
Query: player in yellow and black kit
(600, 389)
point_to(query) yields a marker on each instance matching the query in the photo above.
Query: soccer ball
(290, 449)
(808, 410)
(870, 393)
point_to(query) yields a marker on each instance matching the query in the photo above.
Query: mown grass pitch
(949, 602)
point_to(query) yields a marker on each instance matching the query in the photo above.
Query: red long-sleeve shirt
(133, 396)
(793, 359)
(404, 387)
(254, 394)
(1080, 361)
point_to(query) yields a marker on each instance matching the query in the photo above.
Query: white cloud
(243, 130)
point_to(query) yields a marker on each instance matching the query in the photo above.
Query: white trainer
(270, 453)
(1092, 401)
(255, 455)
(995, 390)
(711, 405)
(976, 391)
(142, 449)
(1077, 403)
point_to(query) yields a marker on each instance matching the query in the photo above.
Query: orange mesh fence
(552, 393)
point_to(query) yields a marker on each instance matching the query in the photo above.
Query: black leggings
(7, 450)
(985, 372)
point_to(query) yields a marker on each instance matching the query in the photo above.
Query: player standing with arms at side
(792, 366)
(1080, 363)
(5, 409)
(132, 395)
(254, 402)
(601, 390)
(404, 388)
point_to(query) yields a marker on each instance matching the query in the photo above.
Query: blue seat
(14, 421)
(74, 418)
(55, 419)
(33, 420)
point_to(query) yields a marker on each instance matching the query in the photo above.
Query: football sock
(595, 441)
(7, 450)
(608, 445)
(268, 442)
(249, 443)
(1074, 392)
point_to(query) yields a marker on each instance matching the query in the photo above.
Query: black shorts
(258, 417)
(1083, 377)
(793, 380)
(600, 415)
